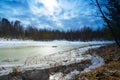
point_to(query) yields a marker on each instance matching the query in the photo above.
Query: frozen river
(18, 51)
(45, 54)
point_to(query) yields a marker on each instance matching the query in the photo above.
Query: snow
(72, 55)
(95, 59)
(5, 71)
(96, 62)
(53, 60)
(61, 76)
(63, 58)
(71, 75)
(56, 76)
(8, 43)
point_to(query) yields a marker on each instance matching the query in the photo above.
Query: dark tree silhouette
(16, 30)
(113, 17)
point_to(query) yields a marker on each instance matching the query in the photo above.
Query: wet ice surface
(17, 51)
(37, 54)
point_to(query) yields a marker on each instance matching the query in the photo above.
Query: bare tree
(107, 22)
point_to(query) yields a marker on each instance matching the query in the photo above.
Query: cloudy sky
(50, 14)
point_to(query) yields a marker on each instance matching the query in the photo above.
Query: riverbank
(66, 70)
(44, 74)
(110, 70)
(73, 60)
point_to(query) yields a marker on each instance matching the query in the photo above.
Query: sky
(51, 14)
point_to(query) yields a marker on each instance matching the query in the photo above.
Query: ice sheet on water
(64, 58)
(19, 42)
(54, 59)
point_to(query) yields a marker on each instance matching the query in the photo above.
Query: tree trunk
(109, 26)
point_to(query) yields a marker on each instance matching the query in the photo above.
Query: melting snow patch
(61, 76)
(56, 76)
(5, 71)
(96, 62)
(71, 75)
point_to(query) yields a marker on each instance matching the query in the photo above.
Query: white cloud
(60, 10)
(26, 22)
(44, 26)
(57, 11)
(48, 7)
(52, 13)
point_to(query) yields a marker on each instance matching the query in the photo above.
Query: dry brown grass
(110, 70)
(15, 71)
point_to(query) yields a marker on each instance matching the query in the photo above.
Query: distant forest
(16, 30)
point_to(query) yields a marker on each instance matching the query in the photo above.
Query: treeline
(16, 30)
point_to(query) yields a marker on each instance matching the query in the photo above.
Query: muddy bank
(110, 70)
(109, 52)
(44, 74)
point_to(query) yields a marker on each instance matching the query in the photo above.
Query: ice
(71, 75)
(63, 58)
(58, 59)
(56, 76)
(96, 62)
(61, 76)
(5, 71)
(66, 55)
(8, 43)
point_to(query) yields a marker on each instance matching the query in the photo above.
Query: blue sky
(50, 14)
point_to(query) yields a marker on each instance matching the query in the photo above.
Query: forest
(16, 30)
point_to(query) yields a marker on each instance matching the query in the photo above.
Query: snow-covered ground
(12, 43)
(60, 76)
(30, 54)
(96, 62)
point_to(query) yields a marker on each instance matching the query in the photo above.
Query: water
(18, 51)
(14, 52)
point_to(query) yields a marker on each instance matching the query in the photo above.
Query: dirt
(110, 70)
(43, 74)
